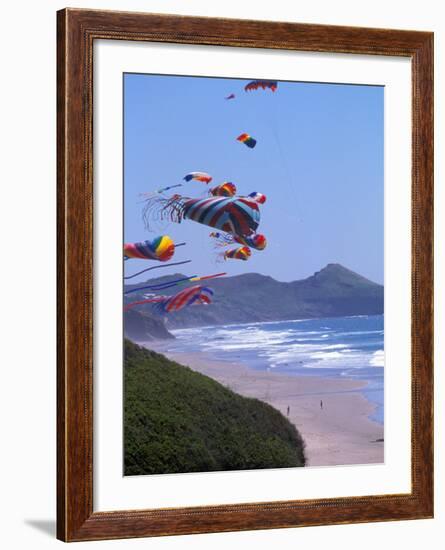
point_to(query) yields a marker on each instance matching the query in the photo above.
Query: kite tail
(160, 286)
(157, 267)
(156, 301)
(222, 239)
(161, 209)
(159, 308)
(223, 243)
(221, 257)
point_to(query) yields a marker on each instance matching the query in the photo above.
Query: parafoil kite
(231, 96)
(263, 84)
(240, 253)
(236, 215)
(161, 248)
(226, 189)
(257, 197)
(247, 140)
(195, 295)
(198, 176)
(256, 240)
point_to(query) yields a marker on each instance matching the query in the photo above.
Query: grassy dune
(177, 420)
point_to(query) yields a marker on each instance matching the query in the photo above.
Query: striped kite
(236, 215)
(194, 295)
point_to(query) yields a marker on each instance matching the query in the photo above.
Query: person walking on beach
(321, 404)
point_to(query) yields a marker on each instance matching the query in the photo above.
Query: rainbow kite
(241, 253)
(247, 140)
(226, 189)
(161, 248)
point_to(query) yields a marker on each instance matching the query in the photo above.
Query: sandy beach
(338, 433)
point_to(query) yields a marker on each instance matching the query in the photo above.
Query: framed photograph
(245, 229)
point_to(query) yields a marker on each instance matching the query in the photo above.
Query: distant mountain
(335, 291)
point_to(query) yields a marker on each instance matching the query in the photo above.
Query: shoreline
(338, 433)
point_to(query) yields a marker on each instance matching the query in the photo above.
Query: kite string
(289, 180)
(269, 115)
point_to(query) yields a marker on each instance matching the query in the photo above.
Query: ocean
(350, 347)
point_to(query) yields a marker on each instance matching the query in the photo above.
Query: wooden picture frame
(77, 31)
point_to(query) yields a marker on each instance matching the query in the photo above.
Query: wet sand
(338, 433)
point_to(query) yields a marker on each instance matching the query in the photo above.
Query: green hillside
(177, 420)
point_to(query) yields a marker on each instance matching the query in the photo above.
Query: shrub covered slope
(177, 420)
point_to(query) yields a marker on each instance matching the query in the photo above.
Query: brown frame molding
(76, 31)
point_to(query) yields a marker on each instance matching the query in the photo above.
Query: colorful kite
(241, 253)
(256, 240)
(236, 215)
(161, 248)
(231, 96)
(247, 140)
(198, 176)
(263, 84)
(226, 189)
(195, 295)
(257, 197)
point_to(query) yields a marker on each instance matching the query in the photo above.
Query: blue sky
(319, 160)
